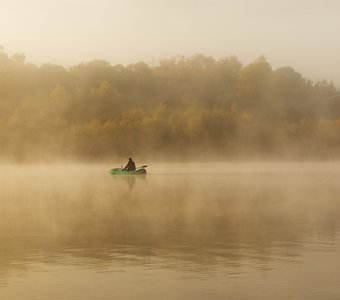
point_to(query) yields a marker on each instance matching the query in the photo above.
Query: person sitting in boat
(131, 166)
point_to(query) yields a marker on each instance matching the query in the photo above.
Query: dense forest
(184, 107)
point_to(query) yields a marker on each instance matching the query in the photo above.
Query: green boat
(119, 171)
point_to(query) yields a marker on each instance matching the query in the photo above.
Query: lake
(184, 231)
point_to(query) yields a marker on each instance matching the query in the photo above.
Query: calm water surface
(193, 231)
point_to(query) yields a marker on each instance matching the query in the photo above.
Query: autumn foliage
(195, 107)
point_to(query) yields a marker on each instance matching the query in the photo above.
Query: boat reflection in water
(129, 177)
(130, 180)
(202, 235)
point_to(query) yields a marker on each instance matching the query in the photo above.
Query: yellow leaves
(254, 80)
(160, 112)
(195, 126)
(58, 93)
(329, 130)
(14, 119)
(246, 116)
(183, 104)
(103, 90)
(58, 99)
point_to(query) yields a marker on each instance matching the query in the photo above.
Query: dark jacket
(131, 166)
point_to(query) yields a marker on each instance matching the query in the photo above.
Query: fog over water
(249, 87)
(200, 230)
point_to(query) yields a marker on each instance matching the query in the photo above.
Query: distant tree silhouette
(179, 107)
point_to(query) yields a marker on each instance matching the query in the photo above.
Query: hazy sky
(304, 34)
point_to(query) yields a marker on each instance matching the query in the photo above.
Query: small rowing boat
(119, 171)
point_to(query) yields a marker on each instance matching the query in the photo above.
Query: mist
(234, 106)
(211, 226)
(239, 205)
(185, 107)
(302, 34)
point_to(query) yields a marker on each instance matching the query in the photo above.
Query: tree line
(182, 107)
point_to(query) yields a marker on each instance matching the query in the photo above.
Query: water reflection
(130, 180)
(182, 221)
